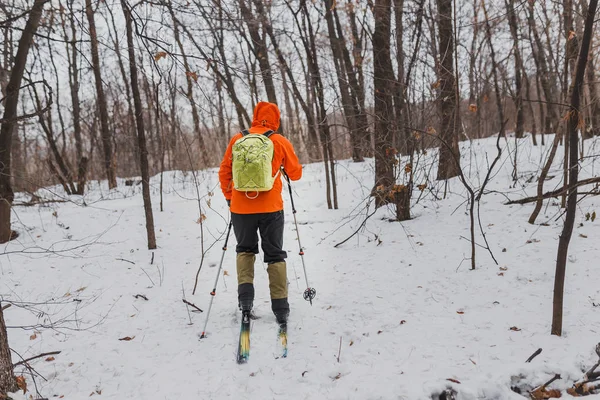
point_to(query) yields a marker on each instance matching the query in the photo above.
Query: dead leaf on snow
(50, 359)
(127, 338)
(542, 393)
(515, 329)
(22, 384)
(453, 380)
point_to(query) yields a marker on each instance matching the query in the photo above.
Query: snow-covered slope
(398, 311)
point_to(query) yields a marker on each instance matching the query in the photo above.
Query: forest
(417, 102)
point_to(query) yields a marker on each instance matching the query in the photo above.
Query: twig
(534, 355)
(122, 259)
(52, 353)
(340, 350)
(358, 230)
(186, 304)
(6, 306)
(554, 193)
(137, 296)
(152, 260)
(555, 378)
(192, 305)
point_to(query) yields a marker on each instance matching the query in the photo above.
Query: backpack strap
(245, 132)
(268, 133)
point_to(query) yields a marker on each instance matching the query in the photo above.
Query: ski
(244, 343)
(282, 340)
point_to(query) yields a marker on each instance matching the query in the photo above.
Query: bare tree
(109, 162)
(518, 97)
(384, 85)
(574, 124)
(9, 119)
(449, 159)
(8, 383)
(139, 119)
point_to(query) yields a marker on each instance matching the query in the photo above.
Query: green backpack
(252, 156)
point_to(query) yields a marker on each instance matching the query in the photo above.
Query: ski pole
(214, 291)
(309, 293)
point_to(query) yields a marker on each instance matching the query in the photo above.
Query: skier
(250, 178)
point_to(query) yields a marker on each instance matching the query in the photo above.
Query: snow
(401, 297)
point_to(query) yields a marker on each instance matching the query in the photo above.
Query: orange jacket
(266, 117)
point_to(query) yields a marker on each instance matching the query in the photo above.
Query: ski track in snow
(401, 296)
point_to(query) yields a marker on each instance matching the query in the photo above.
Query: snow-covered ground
(398, 311)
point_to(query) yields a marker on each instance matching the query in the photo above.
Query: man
(256, 205)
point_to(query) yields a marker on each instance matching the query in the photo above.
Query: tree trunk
(383, 76)
(518, 99)
(573, 125)
(449, 158)
(569, 66)
(102, 105)
(8, 383)
(74, 84)
(551, 121)
(350, 113)
(139, 118)
(356, 78)
(259, 46)
(319, 92)
(9, 118)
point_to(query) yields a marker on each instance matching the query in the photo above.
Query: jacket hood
(266, 115)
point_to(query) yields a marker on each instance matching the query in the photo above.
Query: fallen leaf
(81, 289)
(378, 332)
(252, 373)
(500, 273)
(33, 337)
(583, 236)
(22, 384)
(514, 328)
(503, 268)
(593, 216)
(329, 308)
(351, 342)
(338, 376)
(127, 338)
(225, 273)
(461, 312)
(453, 380)
(474, 363)
(304, 373)
(402, 322)
(542, 393)
(50, 359)
(71, 364)
(422, 187)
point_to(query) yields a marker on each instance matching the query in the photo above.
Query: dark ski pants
(270, 227)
